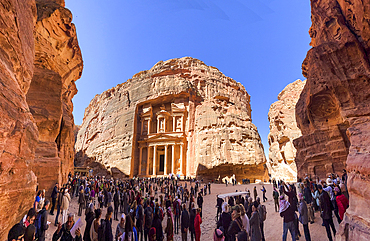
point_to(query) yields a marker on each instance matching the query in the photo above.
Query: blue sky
(260, 43)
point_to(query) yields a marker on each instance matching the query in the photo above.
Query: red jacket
(342, 203)
(197, 222)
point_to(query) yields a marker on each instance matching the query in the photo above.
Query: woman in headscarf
(287, 212)
(254, 221)
(120, 227)
(169, 228)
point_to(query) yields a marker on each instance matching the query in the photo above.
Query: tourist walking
(170, 225)
(185, 220)
(54, 196)
(287, 212)
(255, 230)
(42, 225)
(326, 212)
(90, 216)
(264, 193)
(255, 193)
(65, 205)
(197, 223)
(303, 216)
(95, 225)
(262, 215)
(192, 219)
(81, 202)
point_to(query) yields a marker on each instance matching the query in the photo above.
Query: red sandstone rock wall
(333, 111)
(219, 130)
(283, 130)
(39, 62)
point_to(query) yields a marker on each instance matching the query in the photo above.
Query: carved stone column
(147, 160)
(140, 159)
(154, 159)
(174, 124)
(165, 159)
(173, 159)
(181, 158)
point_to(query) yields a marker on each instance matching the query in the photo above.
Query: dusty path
(273, 224)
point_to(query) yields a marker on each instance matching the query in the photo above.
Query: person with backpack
(140, 219)
(105, 229)
(326, 212)
(236, 225)
(184, 223)
(63, 232)
(148, 219)
(264, 193)
(262, 215)
(41, 221)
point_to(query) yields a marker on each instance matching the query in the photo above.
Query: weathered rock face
(190, 113)
(58, 64)
(37, 74)
(333, 111)
(283, 130)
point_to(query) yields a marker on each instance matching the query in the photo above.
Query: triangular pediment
(163, 137)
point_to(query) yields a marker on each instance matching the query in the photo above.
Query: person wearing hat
(342, 202)
(326, 212)
(287, 213)
(303, 216)
(218, 235)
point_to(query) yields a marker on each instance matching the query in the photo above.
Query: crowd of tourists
(140, 206)
(158, 208)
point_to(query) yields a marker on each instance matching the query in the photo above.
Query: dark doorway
(161, 163)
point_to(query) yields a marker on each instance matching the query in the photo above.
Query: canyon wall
(283, 130)
(333, 111)
(35, 105)
(218, 131)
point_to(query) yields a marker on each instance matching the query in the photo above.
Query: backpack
(101, 230)
(264, 212)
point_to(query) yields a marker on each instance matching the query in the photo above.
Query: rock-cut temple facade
(181, 117)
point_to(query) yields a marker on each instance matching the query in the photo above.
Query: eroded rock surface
(333, 111)
(283, 130)
(180, 106)
(39, 62)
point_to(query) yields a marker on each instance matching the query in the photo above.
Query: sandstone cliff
(333, 111)
(221, 139)
(283, 130)
(39, 62)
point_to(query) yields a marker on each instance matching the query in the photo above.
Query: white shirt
(245, 221)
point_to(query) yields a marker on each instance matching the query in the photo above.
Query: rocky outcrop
(333, 111)
(283, 130)
(218, 131)
(37, 85)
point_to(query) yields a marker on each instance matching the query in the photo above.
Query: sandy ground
(273, 225)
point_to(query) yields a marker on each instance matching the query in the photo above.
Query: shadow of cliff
(82, 160)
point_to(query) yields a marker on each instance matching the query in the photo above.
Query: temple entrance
(161, 163)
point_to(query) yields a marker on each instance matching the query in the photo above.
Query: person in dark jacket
(326, 212)
(303, 216)
(63, 232)
(81, 202)
(54, 196)
(90, 216)
(185, 220)
(44, 220)
(308, 198)
(192, 212)
(225, 221)
(254, 222)
(116, 203)
(200, 203)
(287, 212)
(59, 203)
(157, 224)
(236, 224)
